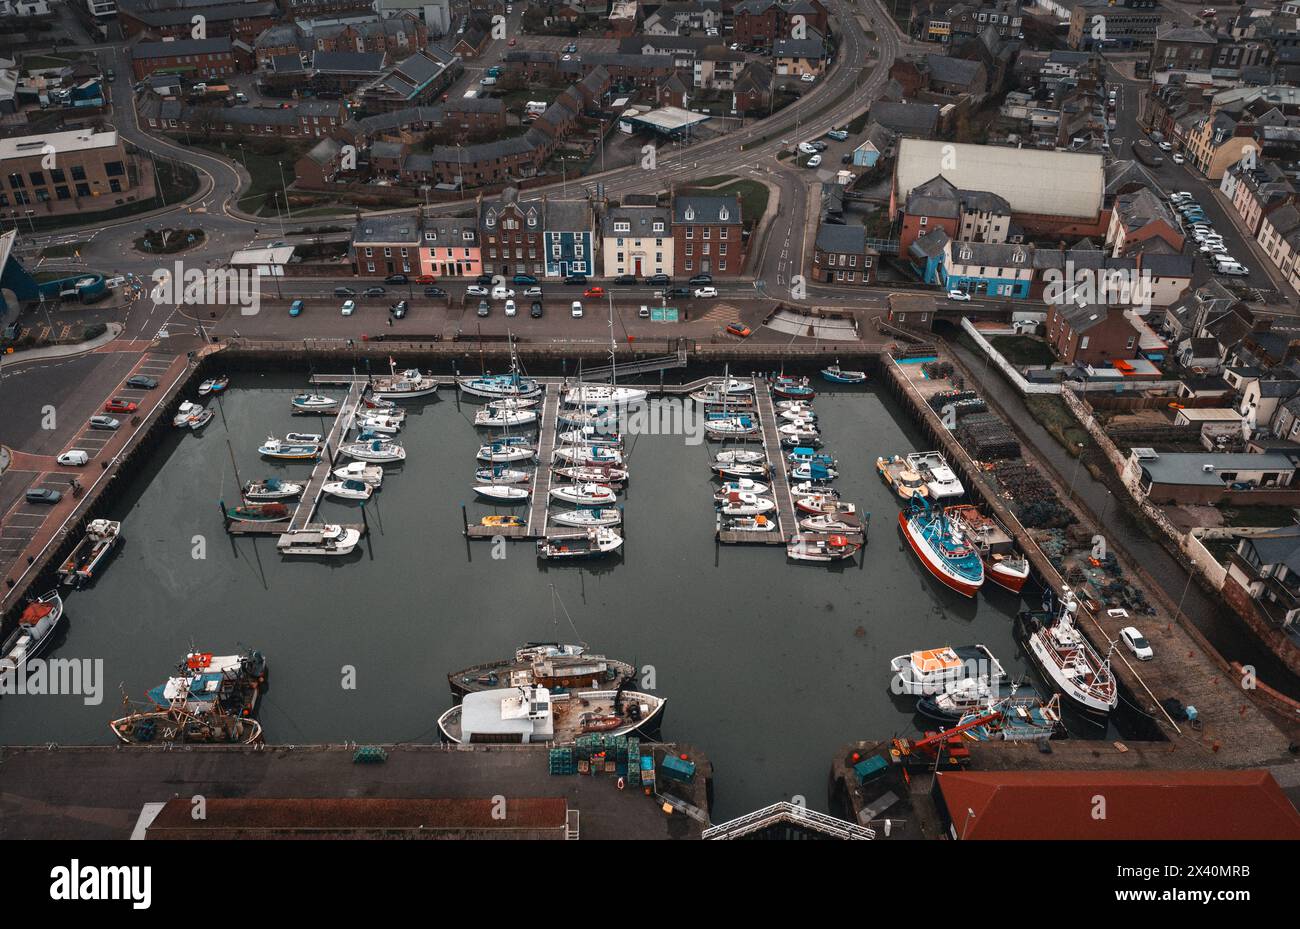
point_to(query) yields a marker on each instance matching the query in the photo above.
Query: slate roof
(707, 210)
(848, 240)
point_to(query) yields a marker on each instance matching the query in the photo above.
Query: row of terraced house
(549, 237)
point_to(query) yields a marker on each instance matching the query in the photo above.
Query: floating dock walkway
(779, 478)
(540, 507)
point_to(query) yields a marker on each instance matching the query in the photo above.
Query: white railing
(791, 813)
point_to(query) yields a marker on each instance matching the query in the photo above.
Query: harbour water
(767, 665)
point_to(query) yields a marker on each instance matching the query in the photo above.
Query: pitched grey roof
(849, 240)
(399, 227)
(906, 117)
(953, 70)
(799, 48)
(348, 62)
(707, 210)
(641, 221)
(146, 50)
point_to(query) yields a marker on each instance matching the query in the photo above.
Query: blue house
(569, 237)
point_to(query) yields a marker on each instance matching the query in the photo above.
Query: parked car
(594, 292)
(626, 280)
(644, 312)
(536, 310)
(103, 422)
(396, 279)
(523, 279)
(74, 457)
(295, 308)
(839, 135)
(959, 295)
(43, 495)
(576, 310)
(1136, 643)
(807, 148)
(476, 290)
(738, 330)
(398, 309)
(349, 307)
(483, 279)
(672, 292)
(807, 78)
(700, 279)
(1164, 146)
(820, 146)
(532, 291)
(510, 308)
(375, 291)
(705, 292)
(484, 308)
(501, 292)
(344, 292)
(142, 382)
(434, 292)
(814, 162)
(659, 279)
(1178, 158)
(425, 279)
(576, 280)
(121, 405)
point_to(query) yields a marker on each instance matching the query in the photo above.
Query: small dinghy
(376, 450)
(501, 452)
(348, 489)
(749, 524)
(258, 512)
(288, 449)
(504, 419)
(820, 548)
(272, 488)
(312, 438)
(594, 474)
(502, 476)
(597, 542)
(360, 471)
(584, 494)
(503, 521)
(745, 504)
(314, 403)
(744, 485)
(503, 493)
(587, 518)
(214, 385)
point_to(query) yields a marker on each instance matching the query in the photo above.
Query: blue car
(295, 308)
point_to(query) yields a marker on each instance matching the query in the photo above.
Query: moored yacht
(271, 488)
(530, 714)
(406, 385)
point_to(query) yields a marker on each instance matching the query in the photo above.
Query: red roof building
(1197, 805)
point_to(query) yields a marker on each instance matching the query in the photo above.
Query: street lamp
(285, 188)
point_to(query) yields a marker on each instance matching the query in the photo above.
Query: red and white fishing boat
(942, 546)
(1003, 565)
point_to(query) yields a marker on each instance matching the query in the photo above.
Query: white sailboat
(348, 489)
(584, 494)
(502, 493)
(504, 419)
(371, 474)
(587, 518)
(376, 450)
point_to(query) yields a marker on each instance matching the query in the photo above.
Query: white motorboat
(935, 670)
(376, 450)
(499, 475)
(314, 403)
(32, 635)
(327, 540)
(584, 494)
(743, 485)
(798, 429)
(504, 419)
(804, 488)
(102, 535)
(588, 517)
(348, 489)
(184, 413)
(838, 525)
(745, 504)
(588, 455)
(502, 452)
(311, 438)
(200, 419)
(503, 493)
(386, 425)
(730, 385)
(371, 474)
(812, 471)
(820, 548)
(940, 480)
(823, 504)
(740, 470)
(597, 541)
(408, 385)
(606, 395)
(287, 449)
(271, 489)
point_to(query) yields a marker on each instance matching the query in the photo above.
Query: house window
(924, 220)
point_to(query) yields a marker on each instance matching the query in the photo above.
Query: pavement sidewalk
(27, 355)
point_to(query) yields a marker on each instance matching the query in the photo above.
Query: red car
(737, 329)
(121, 405)
(426, 279)
(594, 292)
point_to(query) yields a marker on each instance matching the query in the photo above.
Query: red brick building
(762, 22)
(708, 235)
(1090, 334)
(197, 59)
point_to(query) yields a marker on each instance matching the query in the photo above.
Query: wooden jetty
(787, 521)
(311, 494)
(541, 502)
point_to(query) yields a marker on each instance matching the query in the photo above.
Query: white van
(74, 457)
(576, 311)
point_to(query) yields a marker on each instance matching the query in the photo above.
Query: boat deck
(301, 544)
(548, 422)
(314, 487)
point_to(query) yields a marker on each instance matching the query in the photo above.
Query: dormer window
(532, 219)
(491, 220)
(723, 214)
(690, 214)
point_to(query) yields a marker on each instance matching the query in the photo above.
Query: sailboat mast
(239, 485)
(613, 349)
